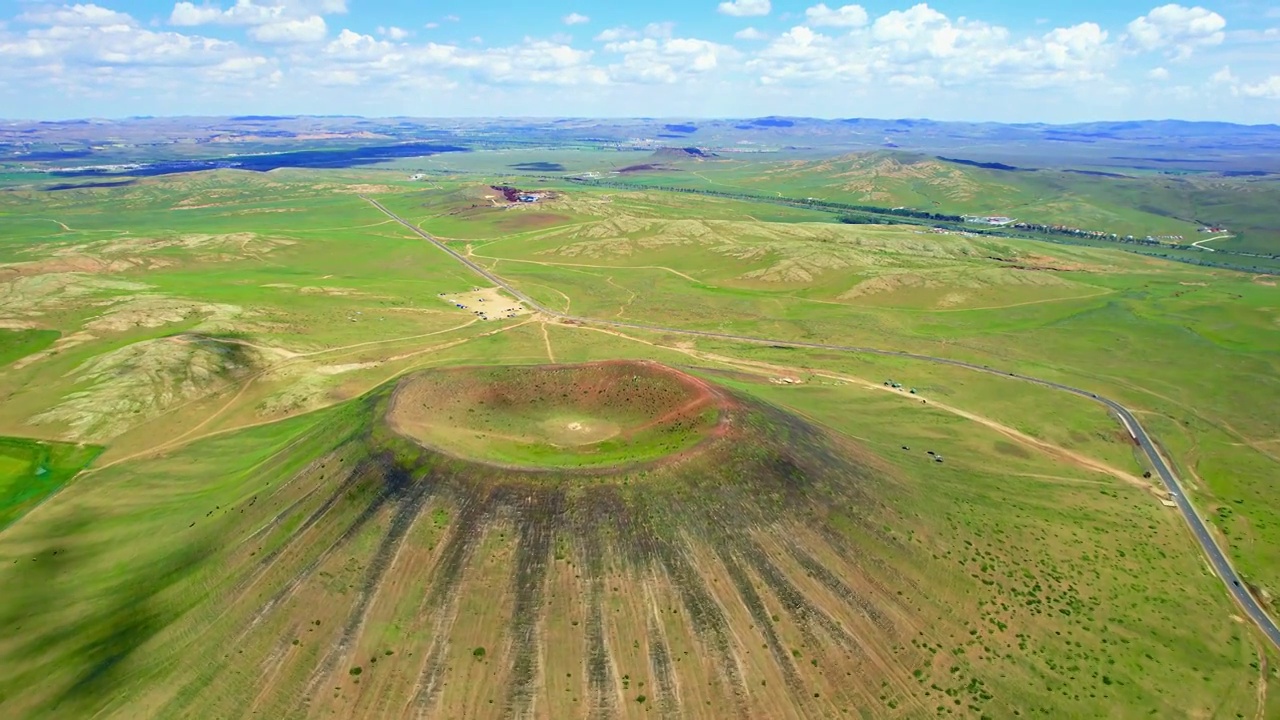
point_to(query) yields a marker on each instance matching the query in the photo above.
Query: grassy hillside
(227, 339)
(342, 570)
(31, 471)
(1138, 203)
(17, 344)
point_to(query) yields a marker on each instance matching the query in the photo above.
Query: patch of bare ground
(62, 344)
(214, 246)
(210, 197)
(329, 290)
(800, 253)
(8, 324)
(30, 296)
(142, 380)
(129, 312)
(874, 177)
(305, 388)
(486, 303)
(151, 311)
(266, 211)
(307, 385)
(355, 189)
(975, 280)
(80, 264)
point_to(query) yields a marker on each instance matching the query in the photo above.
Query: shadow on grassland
(86, 644)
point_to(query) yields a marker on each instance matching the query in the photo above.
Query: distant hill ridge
(682, 153)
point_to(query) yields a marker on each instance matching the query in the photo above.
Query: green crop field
(259, 460)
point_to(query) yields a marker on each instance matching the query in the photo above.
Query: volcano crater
(560, 417)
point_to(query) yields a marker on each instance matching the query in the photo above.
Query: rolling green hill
(1138, 204)
(330, 486)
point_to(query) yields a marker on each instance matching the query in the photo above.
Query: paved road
(1217, 558)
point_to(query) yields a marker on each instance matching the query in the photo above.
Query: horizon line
(639, 118)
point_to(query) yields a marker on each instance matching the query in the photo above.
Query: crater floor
(590, 415)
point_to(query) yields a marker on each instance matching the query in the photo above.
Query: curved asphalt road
(1217, 559)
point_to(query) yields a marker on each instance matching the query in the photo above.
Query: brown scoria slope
(746, 575)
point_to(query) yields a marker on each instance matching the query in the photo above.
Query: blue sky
(948, 59)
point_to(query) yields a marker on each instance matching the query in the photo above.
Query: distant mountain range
(1161, 145)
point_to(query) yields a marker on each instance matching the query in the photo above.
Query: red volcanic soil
(643, 402)
(643, 388)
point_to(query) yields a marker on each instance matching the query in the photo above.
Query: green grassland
(1157, 325)
(1138, 204)
(1171, 208)
(214, 332)
(1138, 330)
(936, 185)
(1033, 589)
(17, 344)
(1038, 546)
(31, 471)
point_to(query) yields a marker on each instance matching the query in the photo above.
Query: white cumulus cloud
(851, 16)
(1224, 76)
(88, 15)
(666, 60)
(249, 12)
(616, 33)
(286, 32)
(836, 55)
(1177, 30)
(244, 12)
(660, 29)
(1268, 89)
(353, 58)
(745, 8)
(920, 47)
(187, 14)
(107, 51)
